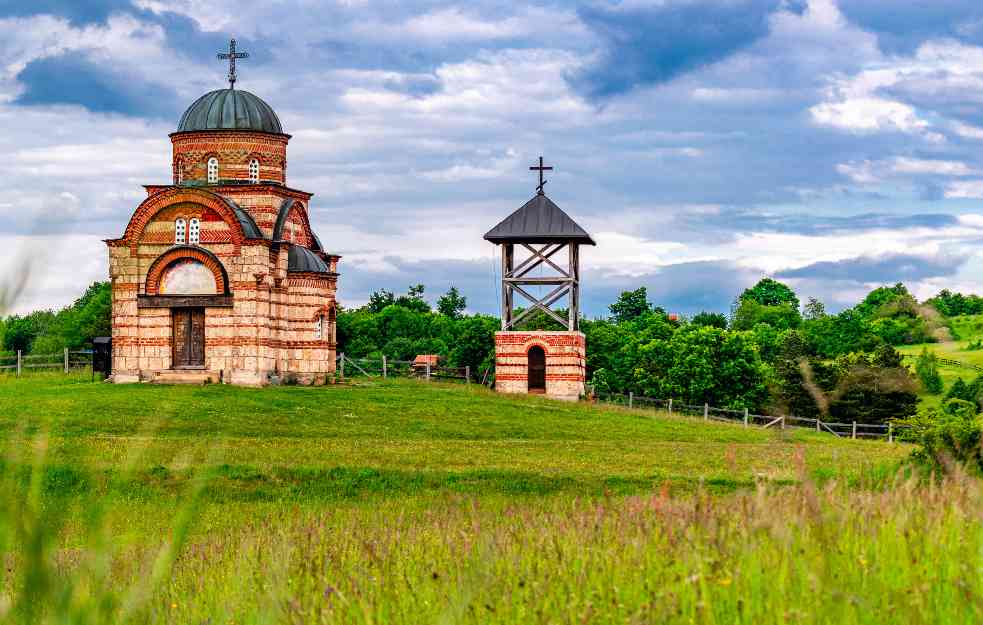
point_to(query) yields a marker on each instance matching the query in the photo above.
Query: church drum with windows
(219, 276)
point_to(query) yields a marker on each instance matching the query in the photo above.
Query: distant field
(968, 329)
(408, 502)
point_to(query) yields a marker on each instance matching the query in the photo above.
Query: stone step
(186, 376)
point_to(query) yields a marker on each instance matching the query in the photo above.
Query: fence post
(19, 358)
(342, 366)
(66, 360)
(467, 374)
(783, 422)
(428, 370)
(745, 418)
(385, 371)
(631, 399)
(670, 406)
(854, 434)
(706, 411)
(818, 425)
(890, 432)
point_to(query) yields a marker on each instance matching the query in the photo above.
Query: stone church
(218, 275)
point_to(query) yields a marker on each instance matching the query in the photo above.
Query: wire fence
(707, 412)
(385, 367)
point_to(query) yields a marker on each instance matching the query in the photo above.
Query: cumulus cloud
(702, 143)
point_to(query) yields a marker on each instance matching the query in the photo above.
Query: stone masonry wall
(566, 356)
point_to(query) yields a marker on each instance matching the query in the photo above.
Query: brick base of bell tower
(566, 355)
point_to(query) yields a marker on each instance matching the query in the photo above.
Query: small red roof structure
(424, 359)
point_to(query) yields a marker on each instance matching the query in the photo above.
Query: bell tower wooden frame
(565, 282)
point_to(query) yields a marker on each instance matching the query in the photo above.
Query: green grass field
(968, 329)
(409, 502)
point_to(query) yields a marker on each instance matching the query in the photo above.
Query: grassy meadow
(968, 329)
(409, 502)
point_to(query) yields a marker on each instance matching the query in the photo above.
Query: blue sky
(833, 144)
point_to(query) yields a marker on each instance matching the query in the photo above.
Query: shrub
(950, 432)
(927, 368)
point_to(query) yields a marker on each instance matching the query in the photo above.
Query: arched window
(319, 327)
(180, 230)
(178, 172)
(212, 170)
(194, 231)
(254, 171)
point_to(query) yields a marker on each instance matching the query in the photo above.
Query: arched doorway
(537, 370)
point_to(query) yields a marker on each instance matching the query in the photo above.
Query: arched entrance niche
(537, 369)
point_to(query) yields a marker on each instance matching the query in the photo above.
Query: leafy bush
(950, 432)
(927, 368)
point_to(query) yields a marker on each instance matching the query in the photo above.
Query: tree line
(770, 353)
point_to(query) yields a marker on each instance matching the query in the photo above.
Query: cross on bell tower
(232, 55)
(541, 168)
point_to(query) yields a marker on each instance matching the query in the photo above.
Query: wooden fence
(19, 363)
(385, 367)
(710, 413)
(948, 362)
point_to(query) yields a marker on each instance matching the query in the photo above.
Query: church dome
(230, 109)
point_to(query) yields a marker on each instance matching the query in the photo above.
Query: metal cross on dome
(541, 168)
(232, 55)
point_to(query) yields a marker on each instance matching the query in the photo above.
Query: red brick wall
(234, 150)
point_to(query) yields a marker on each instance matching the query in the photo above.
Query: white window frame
(194, 231)
(180, 230)
(254, 171)
(212, 168)
(179, 173)
(319, 327)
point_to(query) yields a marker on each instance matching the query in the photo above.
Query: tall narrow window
(254, 171)
(319, 327)
(180, 227)
(194, 231)
(178, 172)
(212, 170)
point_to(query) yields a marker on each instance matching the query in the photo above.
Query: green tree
(959, 390)
(814, 309)
(927, 369)
(630, 305)
(769, 292)
(750, 313)
(710, 319)
(475, 344)
(715, 366)
(413, 300)
(452, 303)
(797, 387)
(379, 300)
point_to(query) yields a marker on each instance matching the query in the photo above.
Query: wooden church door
(537, 370)
(189, 337)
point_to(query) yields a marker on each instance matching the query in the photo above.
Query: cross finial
(232, 55)
(541, 168)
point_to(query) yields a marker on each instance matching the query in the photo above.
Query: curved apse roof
(230, 109)
(302, 259)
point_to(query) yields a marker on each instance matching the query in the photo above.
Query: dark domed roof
(230, 109)
(302, 259)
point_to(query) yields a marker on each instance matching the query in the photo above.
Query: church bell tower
(539, 350)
